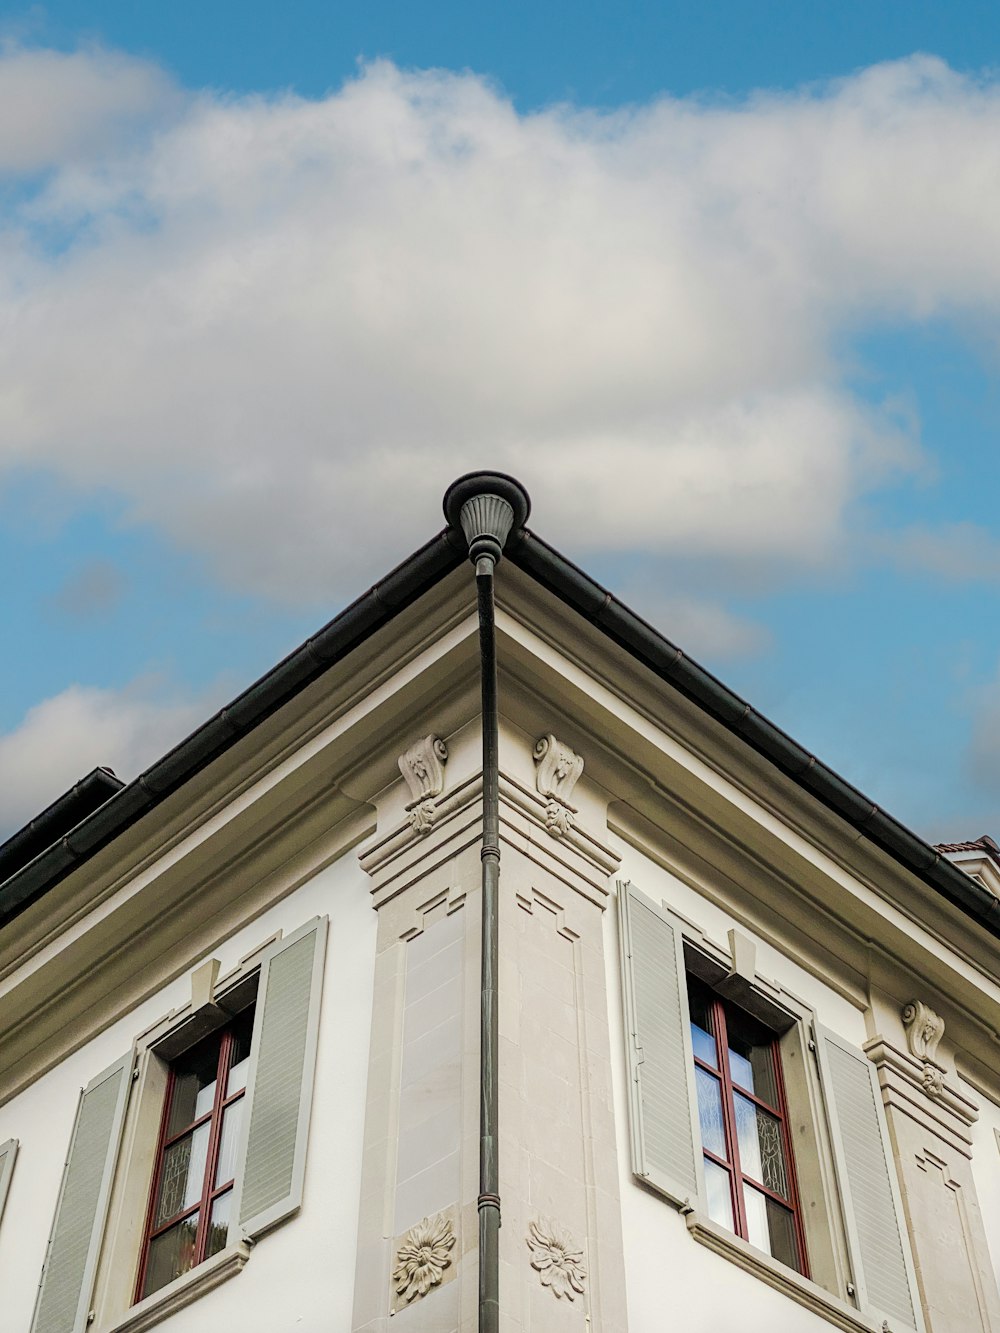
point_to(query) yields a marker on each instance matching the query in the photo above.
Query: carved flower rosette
(556, 1259)
(422, 1257)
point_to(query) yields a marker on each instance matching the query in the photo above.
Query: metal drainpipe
(487, 506)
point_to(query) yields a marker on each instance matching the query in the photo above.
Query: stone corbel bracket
(422, 767)
(924, 1030)
(557, 771)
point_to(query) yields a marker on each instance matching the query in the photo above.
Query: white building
(260, 962)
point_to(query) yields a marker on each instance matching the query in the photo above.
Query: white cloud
(279, 328)
(57, 107)
(62, 738)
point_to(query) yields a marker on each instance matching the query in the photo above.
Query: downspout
(487, 506)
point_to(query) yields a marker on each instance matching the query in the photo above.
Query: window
(749, 1173)
(711, 1130)
(192, 1195)
(201, 1129)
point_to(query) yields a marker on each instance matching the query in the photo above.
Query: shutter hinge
(812, 1045)
(850, 1289)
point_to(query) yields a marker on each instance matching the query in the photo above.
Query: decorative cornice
(556, 1258)
(403, 855)
(557, 770)
(422, 767)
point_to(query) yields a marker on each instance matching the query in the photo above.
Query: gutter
(561, 577)
(373, 609)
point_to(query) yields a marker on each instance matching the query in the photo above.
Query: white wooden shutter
(876, 1235)
(8, 1152)
(279, 1090)
(662, 1108)
(67, 1281)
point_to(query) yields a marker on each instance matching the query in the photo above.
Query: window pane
(239, 1060)
(762, 1154)
(218, 1227)
(720, 1199)
(171, 1254)
(751, 1058)
(194, 1085)
(228, 1142)
(770, 1227)
(183, 1175)
(713, 1134)
(701, 1025)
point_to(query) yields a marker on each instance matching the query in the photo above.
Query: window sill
(182, 1291)
(776, 1275)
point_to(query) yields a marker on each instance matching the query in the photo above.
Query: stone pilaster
(418, 1237)
(929, 1120)
(561, 1247)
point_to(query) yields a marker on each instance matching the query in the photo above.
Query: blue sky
(720, 282)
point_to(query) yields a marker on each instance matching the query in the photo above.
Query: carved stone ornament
(557, 769)
(556, 1258)
(924, 1029)
(932, 1080)
(422, 766)
(422, 1257)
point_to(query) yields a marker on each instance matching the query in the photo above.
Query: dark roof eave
(399, 589)
(561, 577)
(385, 599)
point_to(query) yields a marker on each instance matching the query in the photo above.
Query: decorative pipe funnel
(487, 506)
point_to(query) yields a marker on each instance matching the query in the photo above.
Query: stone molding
(937, 1106)
(422, 767)
(777, 1275)
(184, 1290)
(404, 855)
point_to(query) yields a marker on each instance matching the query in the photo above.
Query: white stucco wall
(671, 1279)
(301, 1276)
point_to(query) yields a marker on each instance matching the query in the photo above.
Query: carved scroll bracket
(422, 767)
(557, 770)
(924, 1030)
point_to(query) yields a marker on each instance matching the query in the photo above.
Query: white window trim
(183, 1290)
(778, 1275)
(831, 1292)
(124, 1232)
(793, 1022)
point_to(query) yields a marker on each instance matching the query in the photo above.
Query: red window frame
(717, 1011)
(227, 1039)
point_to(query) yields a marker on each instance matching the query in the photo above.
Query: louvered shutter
(662, 1109)
(286, 1026)
(67, 1282)
(8, 1152)
(873, 1215)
